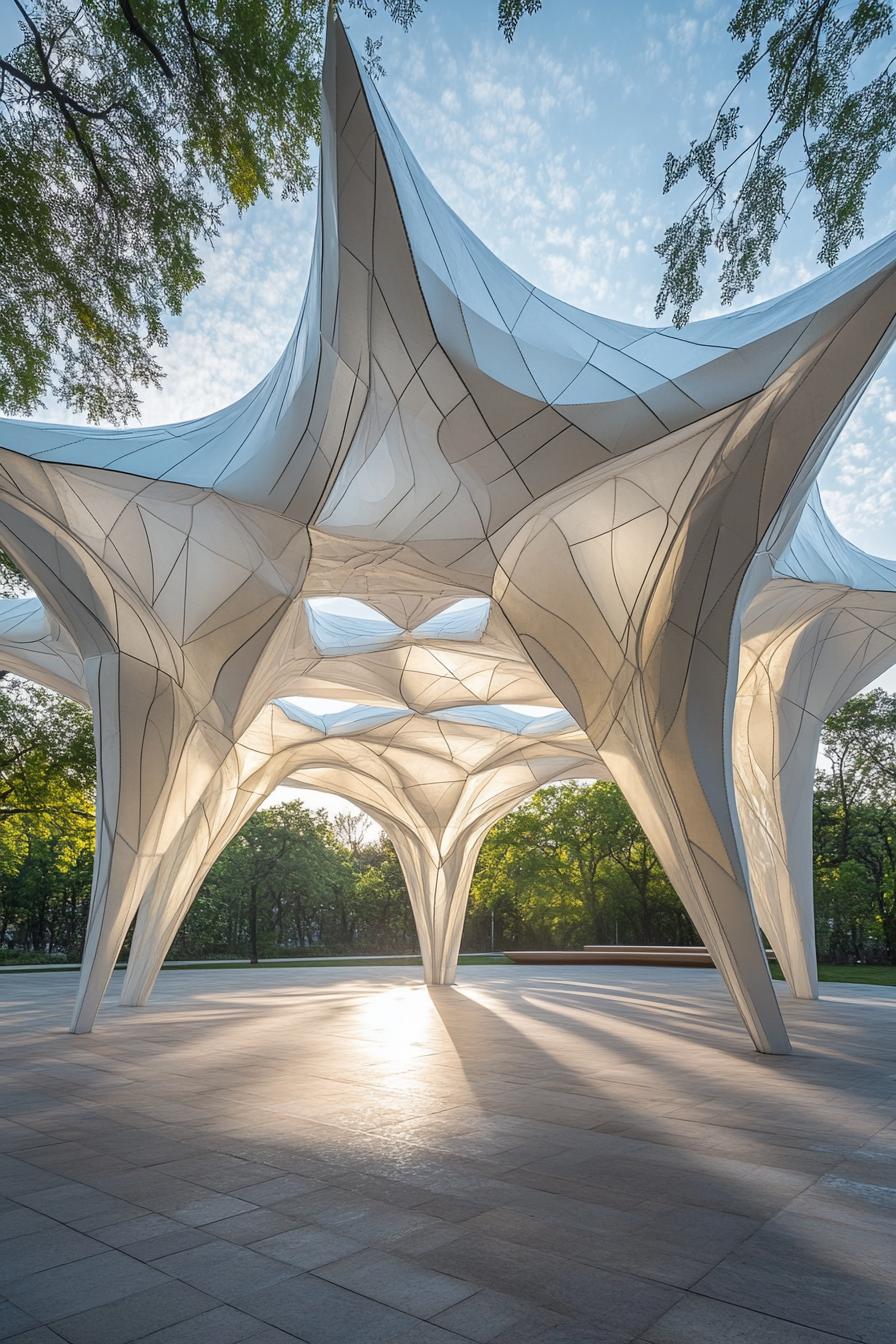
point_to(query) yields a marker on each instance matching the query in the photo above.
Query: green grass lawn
(849, 975)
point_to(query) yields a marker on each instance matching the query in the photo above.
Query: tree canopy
(47, 772)
(126, 126)
(855, 831)
(47, 784)
(572, 866)
(829, 120)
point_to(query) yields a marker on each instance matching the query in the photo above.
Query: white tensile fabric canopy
(538, 506)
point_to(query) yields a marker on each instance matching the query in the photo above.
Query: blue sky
(552, 150)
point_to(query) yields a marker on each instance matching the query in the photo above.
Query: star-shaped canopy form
(439, 429)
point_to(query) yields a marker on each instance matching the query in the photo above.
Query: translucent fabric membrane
(456, 502)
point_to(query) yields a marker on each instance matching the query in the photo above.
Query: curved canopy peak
(818, 553)
(421, 359)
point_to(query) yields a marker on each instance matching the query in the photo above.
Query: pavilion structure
(539, 506)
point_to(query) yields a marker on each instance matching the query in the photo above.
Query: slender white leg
(439, 888)
(143, 729)
(180, 874)
(701, 859)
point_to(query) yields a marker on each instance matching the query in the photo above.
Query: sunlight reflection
(402, 1019)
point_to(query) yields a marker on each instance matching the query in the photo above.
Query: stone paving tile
(609, 1299)
(41, 1334)
(451, 1208)
(13, 1321)
(576, 1334)
(268, 1334)
(219, 1171)
(132, 1317)
(97, 1222)
(143, 1147)
(424, 1332)
(36, 1251)
(842, 1200)
(398, 1282)
(585, 1143)
(747, 1189)
(814, 1156)
(370, 1221)
(830, 1276)
(294, 1159)
(280, 1188)
(674, 1245)
(574, 1208)
(80, 1285)
(634, 1254)
(155, 1190)
(18, 1221)
(211, 1210)
(308, 1247)
(427, 1239)
(700, 1320)
(399, 1194)
(705, 1233)
(323, 1313)
(20, 1178)
(57, 1156)
(250, 1227)
(222, 1269)
(488, 1315)
(221, 1325)
(137, 1229)
(74, 1203)
(182, 1238)
(14, 1137)
(867, 1168)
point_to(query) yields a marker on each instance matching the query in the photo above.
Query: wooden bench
(624, 954)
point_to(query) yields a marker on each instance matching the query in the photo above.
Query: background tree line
(570, 866)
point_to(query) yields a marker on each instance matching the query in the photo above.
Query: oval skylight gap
(320, 705)
(351, 608)
(338, 717)
(341, 625)
(531, 711)
(529, 719)
(464, 619)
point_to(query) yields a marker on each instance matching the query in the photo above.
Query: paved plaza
(573, 1155)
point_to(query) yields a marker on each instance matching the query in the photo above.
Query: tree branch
(48, 85)
(143, 36)
(192, 36)
(83, 144)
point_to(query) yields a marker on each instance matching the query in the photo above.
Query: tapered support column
(435, 786)
(779, 847)
(178, 878)
(438, 887)
(664, 792)
(634, 637)
(143, 729)
(774, 802)
(807, 647)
